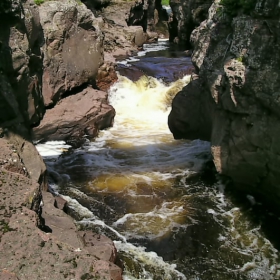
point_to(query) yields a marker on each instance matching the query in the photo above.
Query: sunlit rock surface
(72, 49)
(84, 113)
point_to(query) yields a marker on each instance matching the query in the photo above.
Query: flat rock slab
(84, 113)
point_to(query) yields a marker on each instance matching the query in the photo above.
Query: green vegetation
(165, 2)
(39, 2)
(240, 59)
(232, 7)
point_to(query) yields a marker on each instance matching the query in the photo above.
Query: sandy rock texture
(234, 100)
(37, 239)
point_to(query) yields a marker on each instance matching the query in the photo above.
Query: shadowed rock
(238, 97)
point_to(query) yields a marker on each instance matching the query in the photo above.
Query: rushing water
(169, 218)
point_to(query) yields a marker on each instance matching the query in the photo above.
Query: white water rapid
(167, 223)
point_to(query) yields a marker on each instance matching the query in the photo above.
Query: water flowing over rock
(237, 96)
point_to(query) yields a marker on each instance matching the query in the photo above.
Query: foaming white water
(148, 259)
(52, 148)
(139, 162)
(241, 237)
(156, 223)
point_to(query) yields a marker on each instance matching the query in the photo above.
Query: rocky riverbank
(56, 63)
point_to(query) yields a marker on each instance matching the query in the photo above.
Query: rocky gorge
(57, 62)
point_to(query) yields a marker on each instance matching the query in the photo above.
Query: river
(158, 198)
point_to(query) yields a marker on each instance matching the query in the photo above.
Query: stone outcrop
(21, 63)
(120, 40)
(37, 239)
(234, 101)
(72, 48)
(84, 113)
(186, 16)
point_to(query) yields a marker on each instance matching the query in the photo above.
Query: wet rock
(237, 60)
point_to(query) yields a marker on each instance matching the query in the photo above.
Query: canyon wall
(186, 15)
(151, 16)
(233, 99)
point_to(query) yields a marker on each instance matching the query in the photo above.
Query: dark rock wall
(21, 63)
(186, 15)
(236, 95)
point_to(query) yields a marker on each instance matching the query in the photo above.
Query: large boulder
(237, 58)
(73, 47)
(84, 113)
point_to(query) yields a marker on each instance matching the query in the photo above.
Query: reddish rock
(99, 245)
(77, 115)
(106, 76)
(108, 271)
(7, 275)
(60, 203)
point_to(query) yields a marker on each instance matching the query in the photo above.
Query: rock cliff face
(72, 47)
(234, 100)
(151, 16)
(186, 15)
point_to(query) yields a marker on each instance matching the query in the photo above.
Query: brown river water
(158, 198)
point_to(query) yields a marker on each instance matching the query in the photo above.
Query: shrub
(165, 2)
(39, 2)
